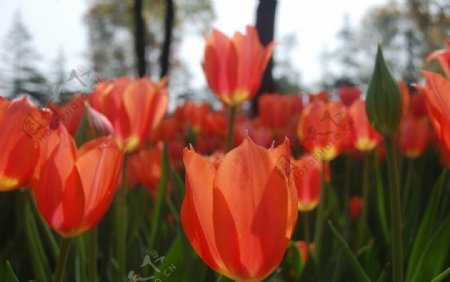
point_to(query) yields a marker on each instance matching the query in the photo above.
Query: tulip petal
(197, 208)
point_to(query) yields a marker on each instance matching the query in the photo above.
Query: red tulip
(364, 136)
(443, 56)
(239, 212)
(134, 108)
(275, 111)
(234, 66)
(70, 114)
(308, 180)
(20, 125)
(145, 167)
(349, 94)
(303, 249)
(437, 96)
(321, 129)
(74, 188)
(414, 134)
(355, 206)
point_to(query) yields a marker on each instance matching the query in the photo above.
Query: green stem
(318, 232)
(44, 226)
(365, 196)
(121, 223)
(306, 227)
(407, 186)
(230, 135)
(39, 260)
(61, 265)
(395, 209)
(92, 268)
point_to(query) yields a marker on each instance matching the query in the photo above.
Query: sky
(58, 24)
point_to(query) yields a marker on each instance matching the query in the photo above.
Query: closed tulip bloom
(74, 188)
(234, 66)
(308, 180)
(239, 212)
(364, 136)
(443, 56)
(133, 107)
(321, 129)
(437, 90)
(19, 124)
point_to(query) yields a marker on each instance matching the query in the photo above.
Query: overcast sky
(58, 24)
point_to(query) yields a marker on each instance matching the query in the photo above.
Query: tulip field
(352, 185)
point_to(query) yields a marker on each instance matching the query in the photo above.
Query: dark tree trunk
(265, 24)
(168, 27)
(139, 38)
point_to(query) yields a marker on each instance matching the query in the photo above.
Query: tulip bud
(384, 101)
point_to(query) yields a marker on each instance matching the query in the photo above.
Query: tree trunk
(168, 27)
(265, 24)
(139, 38)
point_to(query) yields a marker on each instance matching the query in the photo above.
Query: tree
(22, 76)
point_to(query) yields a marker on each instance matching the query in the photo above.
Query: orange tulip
(134, 108)
(19, 126)
(308, 180)
(321, 129)
(437, 96)
(443, 56)
(364, 136)
(275, 111)
(74, 188)
(239, 212)
(234, 66)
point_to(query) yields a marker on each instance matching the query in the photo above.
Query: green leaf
(434, 255)
(427, 227)
(354, 263)
(442, 276)
(160, 199)
(7, 273)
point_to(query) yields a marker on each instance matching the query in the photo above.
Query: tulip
(145, 167)
(308, 180)
(364, 136)
(414, 135)
(234, 66)
(70, 114)
(275, 111)
(437, 98)
(239, 213)
(355, 206)
(349, 94)
(134, 108)
(321, 129)
(384, 101)
(20, 125)
(443, 56)
(74, 188)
